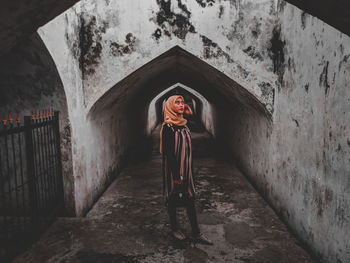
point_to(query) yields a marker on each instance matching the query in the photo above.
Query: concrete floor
(129, 223)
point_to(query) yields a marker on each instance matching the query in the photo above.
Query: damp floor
(129, 223)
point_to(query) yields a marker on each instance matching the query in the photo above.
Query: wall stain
(205, 3)
(281, 5)
(306, 87)
(296, 122)
(324, 78)
(117, 49)
(250, 51)
(244, 72)
(268, 92)
(304, 15)
(237, 29)
(180, 24)
(90, 36)
(157, 34)
(221, 11)
(266, 88)
(344, 60)
(213, 50)
(323, 196)
(256, 31)
(276, 53)
(291, 65)
(317, 195)
(339, 148)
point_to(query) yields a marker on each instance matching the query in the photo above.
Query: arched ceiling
(173, 66)
(21, 18)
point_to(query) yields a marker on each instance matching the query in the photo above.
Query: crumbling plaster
(301, 164)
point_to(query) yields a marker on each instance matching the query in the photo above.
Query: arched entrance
(119, 119)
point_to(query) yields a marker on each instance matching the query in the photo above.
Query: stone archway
(118, 120)
(197, 102)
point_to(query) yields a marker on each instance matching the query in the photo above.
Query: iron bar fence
(31, 185)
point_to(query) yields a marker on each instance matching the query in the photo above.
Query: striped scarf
(183, 154)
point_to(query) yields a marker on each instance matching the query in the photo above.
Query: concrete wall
(291, 63)
(99, 45)
(63, 34)
(301, 164)
(114, 42)
(29, 82)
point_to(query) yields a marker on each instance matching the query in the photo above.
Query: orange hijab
(170, 116)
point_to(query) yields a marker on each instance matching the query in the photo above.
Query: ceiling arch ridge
(179, 65)
(199, 98)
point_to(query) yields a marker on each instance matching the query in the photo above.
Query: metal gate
(31, 186)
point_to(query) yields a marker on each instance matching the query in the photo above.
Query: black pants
(173, 203)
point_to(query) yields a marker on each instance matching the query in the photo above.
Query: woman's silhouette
(177, 166)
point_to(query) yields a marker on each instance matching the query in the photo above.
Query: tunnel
(201, 117)
(119, 118)
(267, 81)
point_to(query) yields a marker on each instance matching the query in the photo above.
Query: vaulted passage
(120, 118)
(268, 85)
(230, 211)
(130, 223)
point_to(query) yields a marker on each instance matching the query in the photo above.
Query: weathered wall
(316, 88)
(29, 81)
(292, 63)
(61, 37)
(99, 45)
(116, 43)
(301, 164)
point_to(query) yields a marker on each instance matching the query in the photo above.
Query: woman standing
(177, 170)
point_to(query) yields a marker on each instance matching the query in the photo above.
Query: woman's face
(179, 106)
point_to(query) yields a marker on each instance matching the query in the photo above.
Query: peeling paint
(123, 49)
(266, 88)
(250, 51)
(178, 24)
(212, 49)
(90, 36)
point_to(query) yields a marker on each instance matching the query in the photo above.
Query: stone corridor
(129, 223)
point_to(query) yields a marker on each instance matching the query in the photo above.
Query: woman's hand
(187, 109)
